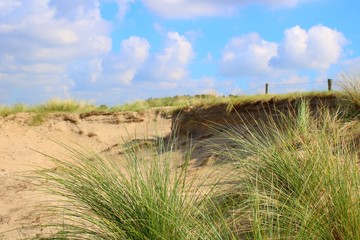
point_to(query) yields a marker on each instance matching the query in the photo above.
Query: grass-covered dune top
(295, 180)
(268, 167)
(176, 103)
(197, 119)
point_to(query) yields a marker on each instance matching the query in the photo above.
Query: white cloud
(122, 68)
(78, 9)
(135, 50)
(41, 39)
(247, 55)
(7, 6)
(113, 70)
(251, 56)
(124, 6)
(196, 8)
(171, 64)
(317, 48)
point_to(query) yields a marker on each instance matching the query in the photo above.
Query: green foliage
(208, 100)
(139, 197)
(350, 95)
(54, 105)
(175, 103)
(5, 110)
(37, 119)
(298, 178)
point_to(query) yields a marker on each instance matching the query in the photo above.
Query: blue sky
(117, 51)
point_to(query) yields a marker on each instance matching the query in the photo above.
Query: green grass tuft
(350, 95)
(139, 197)
(37, 119)
(52, 106)
(298, 178)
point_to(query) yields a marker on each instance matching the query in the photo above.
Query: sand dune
(21, 145)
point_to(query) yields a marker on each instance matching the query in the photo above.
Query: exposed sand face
(20, 145)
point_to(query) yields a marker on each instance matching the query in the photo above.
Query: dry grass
(177, 102)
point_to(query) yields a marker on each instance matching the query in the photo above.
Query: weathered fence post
(266, 88)
(329, 84)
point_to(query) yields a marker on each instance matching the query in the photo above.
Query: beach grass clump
(139, 197)
(51, 106)
(67, 105)
(175, 102)
(298, 177)
(37, 119)
(350, 94)
(17, 108)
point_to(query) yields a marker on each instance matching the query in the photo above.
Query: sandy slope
(20, 142)
(20, 145)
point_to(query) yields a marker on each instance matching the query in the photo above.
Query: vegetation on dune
(54, 105)
(350, 95)
(206, 100)
(295, 175)
(175, 103)
(140, 197)
(298, 178)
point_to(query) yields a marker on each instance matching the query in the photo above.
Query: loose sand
(20, 145)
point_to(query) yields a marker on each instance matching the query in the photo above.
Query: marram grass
(172, 103)
(350, 94)
(298, 178)
(138, 197)
(295, 175)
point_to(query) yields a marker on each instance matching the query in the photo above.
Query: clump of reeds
(51, 106)
(298, 178)
(350, 94)
(67, 105)
(137, 197)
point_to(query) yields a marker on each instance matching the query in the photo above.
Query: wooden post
(266, 88)
(329, 84)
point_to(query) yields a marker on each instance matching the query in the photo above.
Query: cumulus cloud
(124, 6)
(247, 55)
(317, 48)
(78, 9)
(114, 70)
(122, 68)
(40, 39)
(7, 6)
(196, 8)
(171, 64)
(250, 55)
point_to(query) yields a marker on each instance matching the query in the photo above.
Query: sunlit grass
(298, 177)
(208, 100)
(136, 197)
(350, 94)
(52, 106)
(173, 103)
(295, 175)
